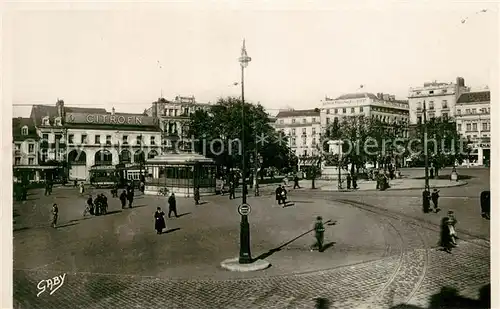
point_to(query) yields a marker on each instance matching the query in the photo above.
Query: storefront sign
(110, 119)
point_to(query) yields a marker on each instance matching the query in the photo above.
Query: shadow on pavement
(138, 206)
(113, 212)
(327, 246)
(21, 229)
(171, 230)
(322, 303)
(66, 225)
(288, 204)
(450, 298)
(202, 203)
(272, 251)
(184, 214)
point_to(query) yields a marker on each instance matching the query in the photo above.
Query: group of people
(352, 179)
(427, 197)
(448, 239)
(127, 195)
(96, 207)
(159, 215)
(281, 195)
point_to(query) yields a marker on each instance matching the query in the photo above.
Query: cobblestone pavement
(407, 268)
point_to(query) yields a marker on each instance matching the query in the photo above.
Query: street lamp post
(338, 167)
(426, 156)
(245, 255)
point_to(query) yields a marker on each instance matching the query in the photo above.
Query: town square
(202, 159)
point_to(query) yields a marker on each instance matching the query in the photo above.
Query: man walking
(319, 234)
(172, 205)
(231, 190)
(348, 178)
(426, 200)
(296, 182)
(354, 181)
(278, 192)
(435, 198)
(130, 196)
(197, 195)
(123, 198)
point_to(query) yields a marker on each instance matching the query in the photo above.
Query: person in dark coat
(319, 234)
(296, 182)
(426, 200)
(172, 206)
(90, 204)
(435, 198)
(104, 201)
(445, 236)
(130, 197)
(279, 189)
(97, 205)
(348, 181)
(231, 190)
(55, 215)
(159, 220)
(485, 204)
(354, 181)
(123, 198)
(284, 196)
(197, 195)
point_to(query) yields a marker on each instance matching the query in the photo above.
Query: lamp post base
(234, 265)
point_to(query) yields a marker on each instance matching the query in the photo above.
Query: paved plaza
(382, 251)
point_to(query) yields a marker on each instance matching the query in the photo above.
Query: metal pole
(426, 156)
(245, 255)
(256, 167)
(338, 167)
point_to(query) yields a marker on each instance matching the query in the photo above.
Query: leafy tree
(228, 124)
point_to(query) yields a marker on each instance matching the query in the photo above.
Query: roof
(350, 96)
(473, 97)
(18, 123)
(298, 113)
(40, 111)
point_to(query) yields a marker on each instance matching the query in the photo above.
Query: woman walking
(55, 213)
(159, 220)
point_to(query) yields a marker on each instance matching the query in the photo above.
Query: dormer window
(24, 130)
(46, 121)
(58, 121)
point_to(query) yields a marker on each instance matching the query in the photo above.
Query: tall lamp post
(426, 156)
(245, 255)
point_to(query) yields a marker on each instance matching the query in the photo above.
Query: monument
(331, 172)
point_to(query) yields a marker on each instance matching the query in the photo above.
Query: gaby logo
(52, 284)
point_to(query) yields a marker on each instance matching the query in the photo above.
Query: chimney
(113, 111)
(60, 108)
(155, 109)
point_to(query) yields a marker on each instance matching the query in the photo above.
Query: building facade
(381, 106)
(440, 99)
(473, 123)
(303, 130)
(174, 117)
(86, 138)
(25, 149)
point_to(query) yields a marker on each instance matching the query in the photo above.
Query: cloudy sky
(126, 55)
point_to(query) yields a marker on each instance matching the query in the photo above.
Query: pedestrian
(159, 221)
(82, 188)
(231, 190)
(278, 194)
(24, 192)
(104, 202)
(55, 214)
(283, 196)
(221, 186)
(97, 205)
(485, 204)
(452, 221)
(426, 200)
(75, 183)
(296, 182)
(142, 187)
(172, 205)
(319, 234)
(114, 191)
(445, 236)
(130, 197)
(354, 181)
(90, 204)
(197, 195)
(435, 198)
(46, 189)
(348, 181)
(123, 198)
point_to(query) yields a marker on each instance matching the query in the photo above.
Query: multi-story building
(303, 128)
(92, 137)
(381, 106)
(473, 123)
(440, 99)
(174, 117)
(25, 149)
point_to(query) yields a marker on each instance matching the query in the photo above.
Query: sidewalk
(367, 185)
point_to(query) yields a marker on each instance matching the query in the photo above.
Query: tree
(444, 144)
(219, 134)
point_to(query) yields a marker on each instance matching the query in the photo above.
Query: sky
(126, 55)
